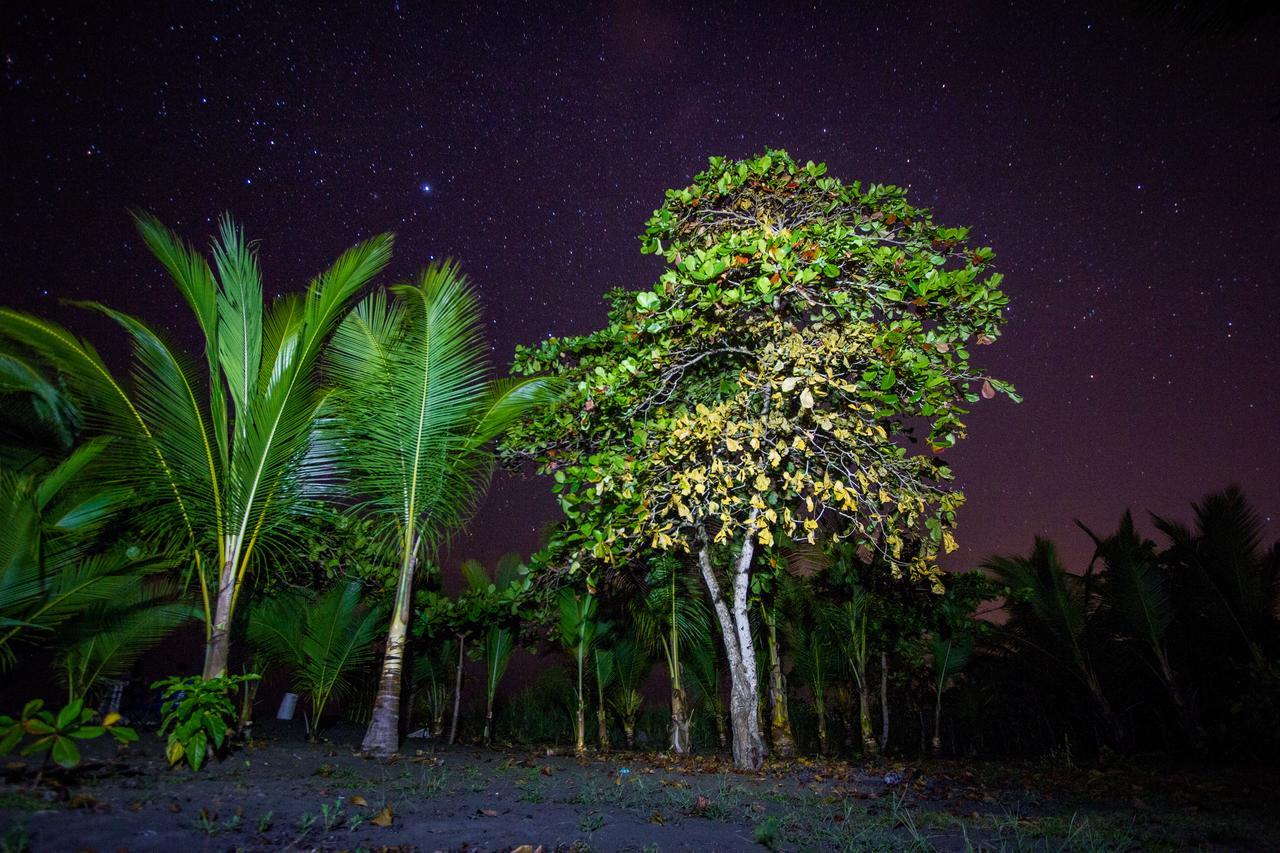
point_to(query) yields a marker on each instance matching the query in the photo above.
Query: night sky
(1127, 174)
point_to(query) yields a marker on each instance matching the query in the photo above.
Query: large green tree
(765, 385)
(215, 455)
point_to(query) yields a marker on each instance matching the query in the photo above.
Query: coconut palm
(322, 640)
(706, 677)
(669, 614)
(217, 457)
(1050, 614)
(111, 635)
(410, 428)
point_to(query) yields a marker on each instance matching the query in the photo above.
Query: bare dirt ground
(281, 793)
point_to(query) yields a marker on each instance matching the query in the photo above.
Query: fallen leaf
(175, 807)
(357, 800)
(546, 770)
(656, 817)
(489, 812)
(135, 806)
(382, 818)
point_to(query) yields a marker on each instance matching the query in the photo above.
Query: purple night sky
(1127, 174)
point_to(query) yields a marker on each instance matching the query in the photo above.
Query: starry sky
(1127, 174)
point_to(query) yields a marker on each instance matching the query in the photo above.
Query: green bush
(56, 736)
(198, 714)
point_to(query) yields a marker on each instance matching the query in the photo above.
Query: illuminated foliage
(769, 383)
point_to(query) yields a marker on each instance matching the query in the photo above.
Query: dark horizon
(1123, 171)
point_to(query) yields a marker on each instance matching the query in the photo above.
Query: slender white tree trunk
(735, 629)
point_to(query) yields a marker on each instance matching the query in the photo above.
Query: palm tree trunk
(819, 707)
(735, 628)
(629, 730)
(884, 700)
(383, 735)
(218, 646)
(457, 690)
(870, 746)
(680, 743)
(780, 734)
(248, 692)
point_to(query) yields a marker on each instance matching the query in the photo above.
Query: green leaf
(65, 752)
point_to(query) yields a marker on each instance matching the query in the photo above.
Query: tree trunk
(935, 743)
(218, 645)
(722, 731)
(679, 720)
(383, 736)
(248, 693)
(884, 701)
(780, 735)
(1187, 720)
(488, 720)
(821, 710)
(580, 736)
(602, 729)
(457, 690)
(870, 746)
(629, 731)
(735, 628)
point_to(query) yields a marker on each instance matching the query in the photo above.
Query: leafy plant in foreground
(56, 735)
(198, 715)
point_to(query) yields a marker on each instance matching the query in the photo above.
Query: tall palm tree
(217, 457)
(1137, 596)
(1051, 615)
(410, 427)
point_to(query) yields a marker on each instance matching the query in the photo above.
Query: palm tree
(813, 655)
(703, 667)
(490, 597)
(55, 581)
(111, 635)
(606, 674)
(321, 639)
(578, 628)
(1137, 595)
(949, 655)
(630, 664)
(1051, 614)
(218, 460)
(849, 622)
(1229, 578)
(411, 425)
(668, 612)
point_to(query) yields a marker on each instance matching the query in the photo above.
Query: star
(424, 188)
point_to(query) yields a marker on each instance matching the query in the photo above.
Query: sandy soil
(281, 793)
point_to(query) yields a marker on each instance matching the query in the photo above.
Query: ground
(281, 793)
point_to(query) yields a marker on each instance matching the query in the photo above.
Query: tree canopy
(772, 382)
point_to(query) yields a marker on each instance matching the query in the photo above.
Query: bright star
(424, 187)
